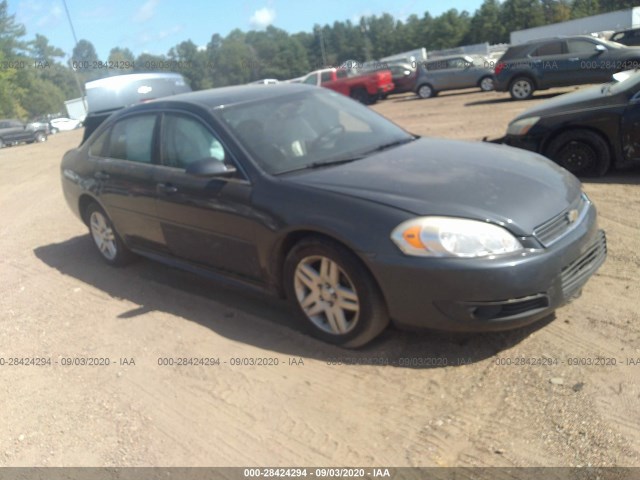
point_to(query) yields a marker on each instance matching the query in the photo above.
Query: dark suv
(13, 132)
(559, 62)
(627, 37)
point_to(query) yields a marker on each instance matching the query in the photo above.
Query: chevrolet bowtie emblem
(572, 215)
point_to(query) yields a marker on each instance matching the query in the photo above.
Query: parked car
(403, 76)
(558, 62)
(453, 73)
(13, 132)
(303, 192)
(630, 37)
(587, 131)
(63, 124)
(364, 87)
(39, 126)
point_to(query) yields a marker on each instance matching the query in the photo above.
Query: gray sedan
(304, 193)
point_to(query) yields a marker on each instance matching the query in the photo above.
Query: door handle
(166, 188)
(574, 59)
(101, 175)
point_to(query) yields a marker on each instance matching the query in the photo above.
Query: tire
(317, 270)
(105, 238)
(54, 130)
(40, 137)
(359, 94)
(486, 84)
(425, 91)
(582, 152)
(521, 88)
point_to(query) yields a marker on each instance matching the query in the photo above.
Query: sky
(154, 26)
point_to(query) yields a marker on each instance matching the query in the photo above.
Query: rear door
(125, 159)
(206, 220)
(550, 64)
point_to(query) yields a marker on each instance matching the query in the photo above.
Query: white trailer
(76, 108)
(612, 21)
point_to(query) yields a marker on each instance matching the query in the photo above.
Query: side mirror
(209, 167)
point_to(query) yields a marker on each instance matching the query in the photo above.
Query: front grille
(554, 229)
(576, 274)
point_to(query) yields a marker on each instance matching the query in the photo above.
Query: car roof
(226, 96)
(560, 37)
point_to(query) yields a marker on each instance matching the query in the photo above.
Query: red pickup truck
(366, 88)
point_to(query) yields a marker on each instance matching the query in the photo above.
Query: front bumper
(490, 294)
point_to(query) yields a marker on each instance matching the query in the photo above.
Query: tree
(42, 52)
(84, 59)
(584, 8)
(10, 33)
(486, 25)
(449, 29)
(193, 63)
(521, 14)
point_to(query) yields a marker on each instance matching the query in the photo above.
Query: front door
(205, 220)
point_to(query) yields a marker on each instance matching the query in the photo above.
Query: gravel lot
(59, 301)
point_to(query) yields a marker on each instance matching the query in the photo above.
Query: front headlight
(521, 127)
(453, 237)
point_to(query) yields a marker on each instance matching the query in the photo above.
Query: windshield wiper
(340, 161)
(337, 161)
(395, 143)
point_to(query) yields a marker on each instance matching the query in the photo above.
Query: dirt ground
(59, 301)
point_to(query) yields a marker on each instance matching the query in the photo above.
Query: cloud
(146, 11)
(53, 17)
(262, 18)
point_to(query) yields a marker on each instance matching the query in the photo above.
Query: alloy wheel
(103, 235)
(327, 295)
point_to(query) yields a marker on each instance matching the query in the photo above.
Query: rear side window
(97, 147)
(312, 79)
(131, 139)
(325, 77)
(547, 49)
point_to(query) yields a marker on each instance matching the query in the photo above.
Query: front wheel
(333, 293)
(582, 152)
(105, 238)
(521, 88)
(40, 137)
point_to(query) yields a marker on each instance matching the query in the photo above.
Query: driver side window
(186, 140)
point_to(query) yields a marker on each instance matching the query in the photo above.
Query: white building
(606, 22)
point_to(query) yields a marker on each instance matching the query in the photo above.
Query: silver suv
(452, 73)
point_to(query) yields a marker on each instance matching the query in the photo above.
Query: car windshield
(611, 43)
(309, 129)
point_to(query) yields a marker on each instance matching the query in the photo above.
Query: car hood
(588, 98)
(482, 181)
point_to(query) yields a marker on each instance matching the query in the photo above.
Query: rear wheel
(105, 238)
(486, 84)
(426, 91)
(582, 152)
(521, 88)
(360, 95)
(333, 293)
(40, 137)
